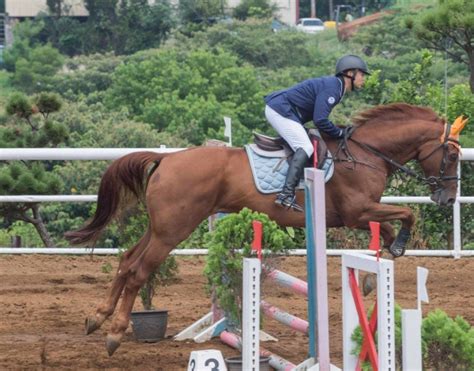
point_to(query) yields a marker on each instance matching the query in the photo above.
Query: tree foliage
(121, 26)
(204, 11)
(450, 28)
(188, 93)
(26, 129)
(141, 25)
(254, 8)
(33, 65)
(254, 42)
(86, 77)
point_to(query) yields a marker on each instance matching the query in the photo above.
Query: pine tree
(450, 28)
(29, 126)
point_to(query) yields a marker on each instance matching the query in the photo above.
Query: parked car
(310, 25)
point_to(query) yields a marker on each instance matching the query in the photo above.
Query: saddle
(279, 145)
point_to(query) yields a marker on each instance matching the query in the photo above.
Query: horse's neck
(399, 141)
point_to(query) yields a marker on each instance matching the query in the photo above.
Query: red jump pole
(375, 240)
(364, 323)
(257, 238)
(315, 153)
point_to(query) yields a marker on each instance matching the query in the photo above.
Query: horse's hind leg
(154, 254)
(106, 309)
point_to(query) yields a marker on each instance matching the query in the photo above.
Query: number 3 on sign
(206, 360)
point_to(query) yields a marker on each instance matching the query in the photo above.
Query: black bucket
(235, 363)
(149, 326)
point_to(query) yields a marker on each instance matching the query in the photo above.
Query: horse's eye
(453, 157)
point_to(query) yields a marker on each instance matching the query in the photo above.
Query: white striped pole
(251, 314)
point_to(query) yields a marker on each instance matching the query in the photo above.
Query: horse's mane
(395, 112)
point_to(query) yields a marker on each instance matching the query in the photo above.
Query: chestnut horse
(184, 188)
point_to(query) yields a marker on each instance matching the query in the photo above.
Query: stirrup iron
(288, 202)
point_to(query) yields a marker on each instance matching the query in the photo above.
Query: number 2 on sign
(215, 364)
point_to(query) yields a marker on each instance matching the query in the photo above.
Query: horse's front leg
(385, 213)
(388, 234)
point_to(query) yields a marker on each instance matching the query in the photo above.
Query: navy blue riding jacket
(311, 99)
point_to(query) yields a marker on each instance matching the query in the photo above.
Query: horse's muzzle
(442, 198)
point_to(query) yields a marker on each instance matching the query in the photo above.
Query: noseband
(434, 181)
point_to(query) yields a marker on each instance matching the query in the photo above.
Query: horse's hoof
(91, 325)
(112, 343)
(397, 248)
(369, 283)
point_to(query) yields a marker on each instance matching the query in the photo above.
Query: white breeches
(292, 131)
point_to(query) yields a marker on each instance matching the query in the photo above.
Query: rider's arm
(322, 108)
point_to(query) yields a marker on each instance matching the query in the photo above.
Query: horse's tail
(122, 186)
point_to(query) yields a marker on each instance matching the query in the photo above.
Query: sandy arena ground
(45, 299)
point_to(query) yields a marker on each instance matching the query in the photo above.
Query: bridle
(445, 141)
(433, 181)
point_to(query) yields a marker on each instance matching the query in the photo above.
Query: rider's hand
(347, 131)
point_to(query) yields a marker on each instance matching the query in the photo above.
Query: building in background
(288, 10)
(31, 8)
(11, 11)
(75, 8)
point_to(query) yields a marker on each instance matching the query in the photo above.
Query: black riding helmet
(351, 62)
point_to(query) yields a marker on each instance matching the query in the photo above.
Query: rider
(287, 110)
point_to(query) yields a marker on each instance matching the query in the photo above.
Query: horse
(183, 188)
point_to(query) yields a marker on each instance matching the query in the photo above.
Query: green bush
(448, 344)
(224, 262)
(357, 337)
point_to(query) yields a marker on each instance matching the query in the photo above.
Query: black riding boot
(286, 198)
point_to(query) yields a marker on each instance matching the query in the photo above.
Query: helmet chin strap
(350, 77)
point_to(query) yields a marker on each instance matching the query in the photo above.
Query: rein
(431, 180)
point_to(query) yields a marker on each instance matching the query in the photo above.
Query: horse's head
(439, 160)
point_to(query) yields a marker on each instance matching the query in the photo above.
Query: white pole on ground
(251, 315)
(411, 340)
(457, 219)
(412, 358)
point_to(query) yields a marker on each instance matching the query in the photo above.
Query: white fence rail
(62, 154)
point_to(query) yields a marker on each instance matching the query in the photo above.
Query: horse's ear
(457, 126)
